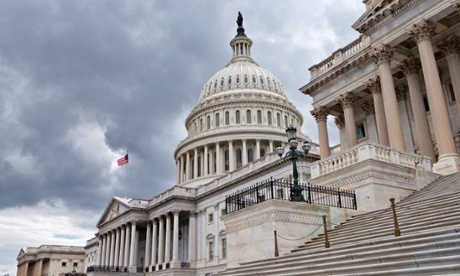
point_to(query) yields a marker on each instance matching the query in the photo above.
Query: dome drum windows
(217, 119)
(237, 80)
(229, 82)
(259, 117)
(261, 80)
(254, 80)
(248, 116)
(227, 118)
(246, 79)
(237, 117)
(269, 117)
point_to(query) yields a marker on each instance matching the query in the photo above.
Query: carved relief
(347, 99)
(381, 54)
(273, 216)
(410, 66)
(422, 31)
(368, 108)
(450, 45)
(339, 121)
(114, 211)
(320, 113)
(374, 85)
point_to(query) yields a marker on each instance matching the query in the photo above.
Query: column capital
(456, 5)
(192, 213)
(422, 31)
(382, 54)
(339, 121)
(176, 211)
(368, 107)
(347, 99)
(410, 66)
(320, 113)
(450, 45)
(373, 84)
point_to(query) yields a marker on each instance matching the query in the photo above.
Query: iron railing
(282, 189)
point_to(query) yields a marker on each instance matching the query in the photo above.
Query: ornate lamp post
(293, 155)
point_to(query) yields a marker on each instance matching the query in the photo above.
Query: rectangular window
(75, 264)
(451, 92)
(427, 106)
(210, 218)
(360, 131)
(211, 251)
(63, 264)
(224, 247)
(223, 212)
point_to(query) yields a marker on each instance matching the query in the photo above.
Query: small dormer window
(269, 82)
(246, 79)
(215, 85)
(237, 79)
(261, 80)
(229, 80)
(209, 87)
(254, 80)
(222, 82)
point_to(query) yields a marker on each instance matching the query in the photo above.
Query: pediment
(21, 253)
(379, 10)
(115, 208)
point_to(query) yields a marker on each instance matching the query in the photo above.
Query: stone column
(340, 123)
(168, 239)
(175, 257)
(211, 162)
(187, 166)
(218, 159)
(127, 246)
(410, 68)
(382, 132)
(451, 47)
(216, 231)
(195, 163)
(257, 153)
(100, 249)
(181, 170)
(270, 146)
(320, 114)
(161, 241)
(206, 162)
(122, 246)
(347, 100)
(244, 154)
(117, 246)
(38, 267)
(153, 261)
(107, 249)
(178, 171)
(148, 245)
(449, 160)
(132, 252)
(112, 247)
(382, 57)
(192, 237)
(231, 155)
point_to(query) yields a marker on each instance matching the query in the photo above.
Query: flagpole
(126, 174)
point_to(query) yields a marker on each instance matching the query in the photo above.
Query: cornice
(338, 72)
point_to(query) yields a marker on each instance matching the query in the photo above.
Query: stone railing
(367, 151)
(339, 56)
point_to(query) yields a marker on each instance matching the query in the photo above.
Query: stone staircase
(429, 244)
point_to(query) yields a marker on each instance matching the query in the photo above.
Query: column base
(447, 164)
(132, 269)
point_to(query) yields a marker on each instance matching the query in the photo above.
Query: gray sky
(82, 81)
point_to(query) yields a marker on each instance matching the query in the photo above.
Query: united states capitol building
(394, 95)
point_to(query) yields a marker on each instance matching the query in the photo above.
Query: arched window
(269, 117)
(278, 119)
(239, 158)
(246, 79)
(201, 124)
(250, 155)
(196, 127)
(262, 152)
(248, 116)
(237, 80)
(285, 121)
(227, 163)
(261, 80)
(229, 80)
(237, 117)
(254, 80)
(259, 117)
(208, 122)
(217, 120)
(222, 82)
(227, 118)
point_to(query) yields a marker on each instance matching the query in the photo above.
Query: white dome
(242, 74)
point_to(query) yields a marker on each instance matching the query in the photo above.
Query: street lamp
(73, 271)
(293, 155)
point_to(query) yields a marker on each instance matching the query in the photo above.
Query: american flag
(122, 161)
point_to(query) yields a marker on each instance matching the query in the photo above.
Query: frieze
(354, 179)
(278, 216)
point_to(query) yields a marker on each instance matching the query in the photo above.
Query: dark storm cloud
(81, 82)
